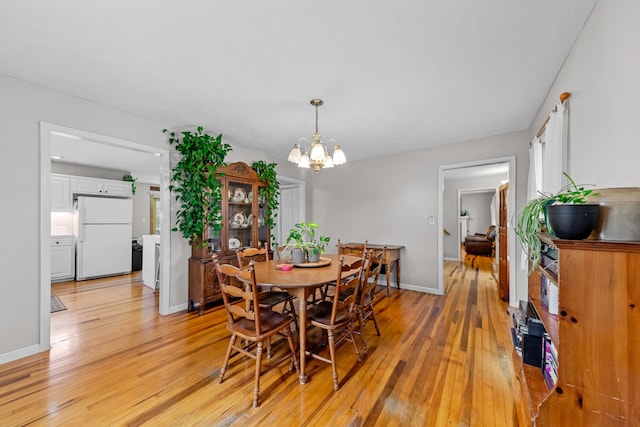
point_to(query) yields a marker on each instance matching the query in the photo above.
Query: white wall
(479, 207)
(601, 72)
(142, 209)
(388, 200)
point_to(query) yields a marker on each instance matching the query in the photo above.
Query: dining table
(301, 280)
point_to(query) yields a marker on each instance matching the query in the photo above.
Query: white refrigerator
(103, 233)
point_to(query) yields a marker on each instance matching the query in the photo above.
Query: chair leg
(292, 309)
(256, 388)
(269, 348)
(361, 320)
(332, 352)
(375, 323)
(292, 346)
(232, 341)
(353, 340)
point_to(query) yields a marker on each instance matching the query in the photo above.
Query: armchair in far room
(481, 244)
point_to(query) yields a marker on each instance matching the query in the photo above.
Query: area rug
(56, 304)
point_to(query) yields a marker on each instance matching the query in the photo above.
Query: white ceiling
(394, 75)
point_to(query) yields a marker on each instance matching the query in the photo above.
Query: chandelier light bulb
(304, 161)
(295, 154)
(338, 156)
(317, 151)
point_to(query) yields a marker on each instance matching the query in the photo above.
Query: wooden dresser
(597, 336)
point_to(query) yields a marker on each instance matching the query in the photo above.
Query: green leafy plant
(193, 180)
(464, 212)
(533, 217)
(320, 245)
(271, 193)
(127, 177)
(303, 236)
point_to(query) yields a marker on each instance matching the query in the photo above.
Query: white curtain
(535, 169)
(553, 149)
(547, 160)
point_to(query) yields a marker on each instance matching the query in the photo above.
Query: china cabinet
(243, 225)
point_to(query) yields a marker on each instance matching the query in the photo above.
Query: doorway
(479, 205)
(291, 208)
(126, 148)
(445, 216)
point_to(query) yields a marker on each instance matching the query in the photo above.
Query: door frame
(46, 129)
(302, 207)
(511, 162)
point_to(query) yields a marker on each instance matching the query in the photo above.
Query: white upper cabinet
(61, 199)
(101, 187)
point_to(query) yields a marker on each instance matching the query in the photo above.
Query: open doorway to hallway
(455, 180)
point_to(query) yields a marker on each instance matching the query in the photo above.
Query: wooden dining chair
(270, 297)
(353, 249)
(336, 317)
(249, 322)
(366, 296)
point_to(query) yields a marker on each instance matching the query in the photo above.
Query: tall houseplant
(271, 193)
(534, 215)
(193, 180)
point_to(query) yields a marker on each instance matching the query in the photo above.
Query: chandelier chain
(316, 118)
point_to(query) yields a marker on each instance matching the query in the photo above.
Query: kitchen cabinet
(243, 225)
(103, 187)
(62, 258)
(60, 194)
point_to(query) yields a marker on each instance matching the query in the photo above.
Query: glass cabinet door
(239, 219)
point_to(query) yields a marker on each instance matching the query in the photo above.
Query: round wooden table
(301, 282)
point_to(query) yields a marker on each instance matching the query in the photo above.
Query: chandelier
(316, 155)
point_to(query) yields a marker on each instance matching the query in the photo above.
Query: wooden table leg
(387, 268)
(302, 324)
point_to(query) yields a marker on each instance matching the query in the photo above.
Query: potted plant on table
(296, 245)
(302, 241)
(566, 214)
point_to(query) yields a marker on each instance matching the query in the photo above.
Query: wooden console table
(391, 261)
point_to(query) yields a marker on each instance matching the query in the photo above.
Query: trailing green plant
(270, 193)
(534, 215)
(193, 180)
(127, 177)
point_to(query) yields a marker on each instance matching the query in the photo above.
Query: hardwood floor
(441, 360)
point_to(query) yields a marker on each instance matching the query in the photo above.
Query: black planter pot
(574, 222)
